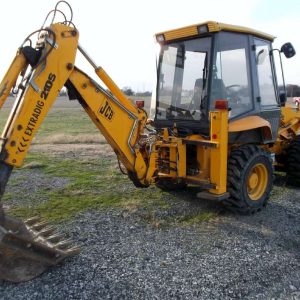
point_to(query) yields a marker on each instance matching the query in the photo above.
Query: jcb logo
(107, 111)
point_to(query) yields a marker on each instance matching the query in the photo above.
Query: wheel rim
(257, 182)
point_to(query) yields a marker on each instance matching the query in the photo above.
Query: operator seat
(218, 90)
(198, 88)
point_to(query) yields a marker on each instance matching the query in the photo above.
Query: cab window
(231, 78)
(264, 73)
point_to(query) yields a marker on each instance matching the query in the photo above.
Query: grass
(66, 120)
(198, 218)
(95, 184)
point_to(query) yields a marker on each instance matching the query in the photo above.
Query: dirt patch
(71, 139)
(83, 151)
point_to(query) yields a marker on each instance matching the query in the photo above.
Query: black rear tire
(249, 179)
(293, 163)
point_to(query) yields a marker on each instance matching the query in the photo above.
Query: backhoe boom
(28, 248)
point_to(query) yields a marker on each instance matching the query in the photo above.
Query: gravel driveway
(229, 257)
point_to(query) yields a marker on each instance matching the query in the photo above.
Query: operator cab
(213, 61)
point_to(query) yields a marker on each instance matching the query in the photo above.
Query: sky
(119, 35)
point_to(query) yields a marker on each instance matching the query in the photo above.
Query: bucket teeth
(73, 250)
(64, 244)
(55, 238)
(47, 231)
(29, 248)
(39, 226)
(32, 220)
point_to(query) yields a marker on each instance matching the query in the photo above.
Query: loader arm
(28, 248)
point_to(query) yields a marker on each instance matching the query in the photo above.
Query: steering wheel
(233, 86)
(233, 94)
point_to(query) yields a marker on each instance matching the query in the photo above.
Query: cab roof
(211, 26)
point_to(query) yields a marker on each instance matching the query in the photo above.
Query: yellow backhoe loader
(218, 121)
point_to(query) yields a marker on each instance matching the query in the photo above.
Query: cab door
(266, 93)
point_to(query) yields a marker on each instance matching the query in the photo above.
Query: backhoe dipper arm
(115, 116)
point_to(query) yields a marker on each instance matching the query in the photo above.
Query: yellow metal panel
(203, 155)
(152, 165)
(116, 91)
(289, 113)
(191, 31)
(181, 33)
(140, 167)
(218, 157)
(289, 128)
(120, 127)
(213, 26)
(251, 122)
(115, 126)
(173, 161)
(11, 76)
(242, 29)
(181, 161)
(47, 79)
(247, 123)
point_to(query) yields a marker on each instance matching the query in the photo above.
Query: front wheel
(293, 163)
(249, 179)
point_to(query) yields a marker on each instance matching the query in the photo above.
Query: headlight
(202, 29)
(160, 38)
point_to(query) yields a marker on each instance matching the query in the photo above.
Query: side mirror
(282, 98)
(288, 50)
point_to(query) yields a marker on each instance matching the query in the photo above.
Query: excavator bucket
(28, 248)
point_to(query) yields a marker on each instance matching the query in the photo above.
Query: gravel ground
(31, 192)
(230, 257)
